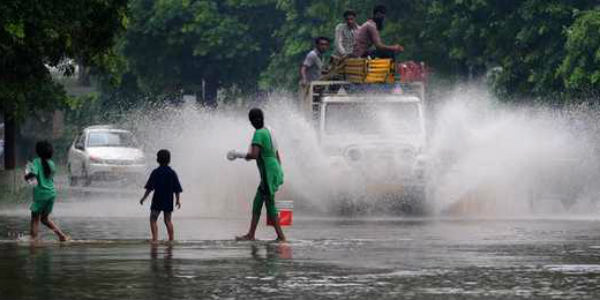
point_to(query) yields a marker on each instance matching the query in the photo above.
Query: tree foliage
(580, 68)
(175, 45)
(35, 35)
(305, 20)
(525, 41)
(537, 47)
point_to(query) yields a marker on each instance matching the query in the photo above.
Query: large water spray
(485, 158)
(491, 159)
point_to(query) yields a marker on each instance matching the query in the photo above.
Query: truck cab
(374, 135)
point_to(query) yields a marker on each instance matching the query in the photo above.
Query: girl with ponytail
(44, 193)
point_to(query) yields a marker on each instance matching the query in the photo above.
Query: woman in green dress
(264, 151)
(42, 169)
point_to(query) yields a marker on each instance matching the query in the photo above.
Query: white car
(105, 153)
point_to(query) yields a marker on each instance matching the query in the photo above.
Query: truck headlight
(354, 154)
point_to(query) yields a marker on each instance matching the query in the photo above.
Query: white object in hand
(28, 167)
(232, 155)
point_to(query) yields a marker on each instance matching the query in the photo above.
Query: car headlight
(96, 160)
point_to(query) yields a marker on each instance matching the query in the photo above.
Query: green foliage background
(536, 48)
(35, 35)
(154, 50)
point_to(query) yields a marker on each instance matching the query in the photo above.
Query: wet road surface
(332, 258)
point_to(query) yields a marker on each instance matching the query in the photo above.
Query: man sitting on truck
(312, 66)
(344, 35)
(368, 35)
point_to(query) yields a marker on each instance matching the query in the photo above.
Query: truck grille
(401, 156)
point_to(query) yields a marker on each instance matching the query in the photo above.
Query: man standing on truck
(368, 35)
(312, 66)
(344, 35)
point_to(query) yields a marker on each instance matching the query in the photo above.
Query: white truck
(374, 135)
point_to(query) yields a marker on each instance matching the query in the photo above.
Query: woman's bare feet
(245, 237)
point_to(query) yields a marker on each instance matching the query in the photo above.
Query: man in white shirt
(344, 35)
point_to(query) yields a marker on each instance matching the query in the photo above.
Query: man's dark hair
(321, 38)
(349, 13)
(257, 118)
(379, 9)
(163, 157)
(45, 151)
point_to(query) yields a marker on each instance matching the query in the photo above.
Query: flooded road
(326, 258)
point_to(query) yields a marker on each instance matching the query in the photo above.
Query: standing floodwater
(326, 258)
(487, 163)
(461, 163)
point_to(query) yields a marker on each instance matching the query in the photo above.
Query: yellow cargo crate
(361, 70)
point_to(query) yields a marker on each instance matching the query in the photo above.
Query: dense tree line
(530, 48)
(198, 46)
(153, 49)
(526, 41)
(37, 35)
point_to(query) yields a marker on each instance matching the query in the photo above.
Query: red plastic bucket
(285, 208)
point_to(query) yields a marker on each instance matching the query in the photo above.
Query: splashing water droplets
(485, 158)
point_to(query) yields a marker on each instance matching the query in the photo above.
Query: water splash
(487, 159)
(501, 160)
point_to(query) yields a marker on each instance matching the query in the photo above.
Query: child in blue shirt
(164, 182)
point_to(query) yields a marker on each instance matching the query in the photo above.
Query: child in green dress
(43, 169)
(264, 151)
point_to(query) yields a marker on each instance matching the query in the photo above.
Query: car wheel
(72, 178)
(87, 180)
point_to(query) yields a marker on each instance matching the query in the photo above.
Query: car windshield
(372, 118)
(111, 139)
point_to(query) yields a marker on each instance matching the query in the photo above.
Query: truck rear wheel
(414, 201)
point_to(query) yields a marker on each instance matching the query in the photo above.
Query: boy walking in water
(43, 169)
(264, 151)
(164, 182)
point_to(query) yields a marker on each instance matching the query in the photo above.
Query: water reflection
(167, 254)
(161, 270)
(273, 251)
(40, 260)
(365, 260)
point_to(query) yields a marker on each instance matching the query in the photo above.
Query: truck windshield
(372, 118)
(111, 139)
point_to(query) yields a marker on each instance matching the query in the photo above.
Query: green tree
(198, 46)
(305, 20)
(202, 45)
(580, 68)
(530, 68)
(35, 35)
(524, 38)
(462, 37)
